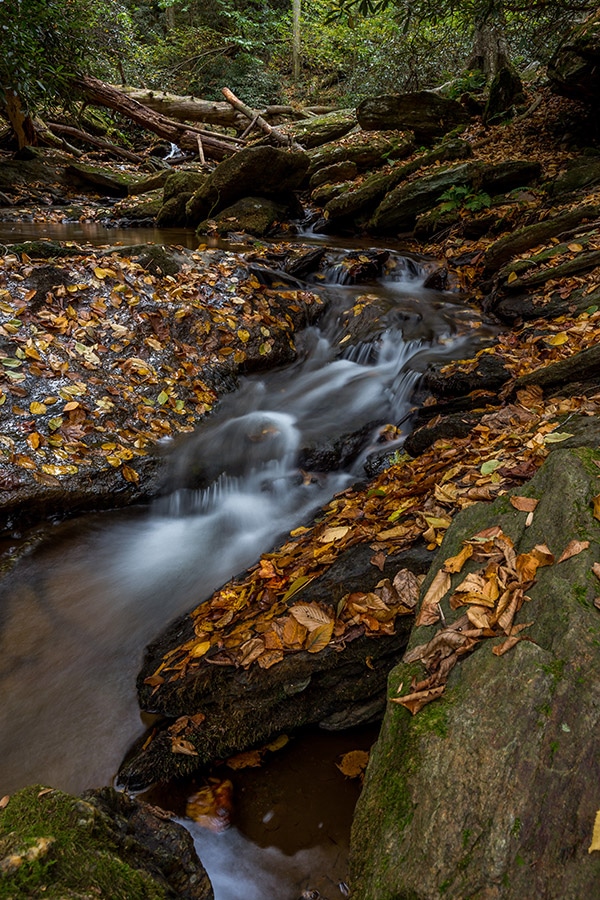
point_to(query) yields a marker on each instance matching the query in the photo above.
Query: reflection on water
(95, 234)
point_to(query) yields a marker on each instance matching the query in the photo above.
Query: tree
(487, 20)
(44, 43)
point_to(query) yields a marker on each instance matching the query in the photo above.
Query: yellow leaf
(310, 615)
(199, 649)
(334, 534)
(37, 408)
(130, 474)
(595, 845)
(354, 763)
(278, 743)
(575, 248)
(318, 639)
(243, 335)
(512, 277)
(455, 563)
(33, 440)
(557, 340)
(50, 469)
(251, 759)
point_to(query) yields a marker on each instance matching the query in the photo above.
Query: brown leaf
(4, 801)
(596, 504)
(478, 616)
(596, 569)
(311, 615)
(293, 632)
(505, 646)
(318, 639)
(250, 650)
(455, 563)
(407, 586)
(429, 613)
(573, 548)
(178, 745)
(378, 559)
(269, 658)
(414, 702)
(251, 759)
(524, 504)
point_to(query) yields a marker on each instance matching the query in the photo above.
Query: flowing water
(76, 613)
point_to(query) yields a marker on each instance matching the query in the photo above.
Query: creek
(78, 609)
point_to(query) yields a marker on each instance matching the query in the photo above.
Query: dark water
(76, 613)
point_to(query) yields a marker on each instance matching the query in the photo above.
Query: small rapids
(77, 612)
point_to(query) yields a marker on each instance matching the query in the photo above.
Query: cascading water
(78, 611)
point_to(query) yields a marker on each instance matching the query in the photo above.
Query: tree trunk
(187, 109)
(21, 122)
(258, 120)
(178, 133)
(296, 38)
(490, 48)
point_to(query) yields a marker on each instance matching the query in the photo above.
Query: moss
(77, 851)
(516, 828)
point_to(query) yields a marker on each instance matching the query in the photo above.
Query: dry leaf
(249, 760)
(573, 548)
(414, 702)
(310, 615)
(429, 613)
(354, 763)
(596, 569)
(455, 563)
(524, 504)
(318, 639)
(505, 646)
(178, 745)
(595, 845)
(334, 534)
(408, 586)
(596, 504)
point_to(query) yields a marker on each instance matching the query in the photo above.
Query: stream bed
(78, 609)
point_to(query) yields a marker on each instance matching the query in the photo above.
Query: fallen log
(188, 109)
(84, 137)
(185, 136)
(258, 120)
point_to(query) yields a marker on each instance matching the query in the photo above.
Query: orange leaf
(573, 548)
(354, 763)
(429, 613)
(318, 639)
(524, 504)
(414, 702)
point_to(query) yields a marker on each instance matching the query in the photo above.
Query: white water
(76, 614)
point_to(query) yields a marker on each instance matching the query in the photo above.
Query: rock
(531, 306)
(252, 215)
(574, 69)
(401, 207)
(103, 181)
(502, 250)
(148, 183)
(506, 91)
(184, 181)
(102, 844)
(45, 169)
(486, 791)
(173, 212)
(132, 210)
(322, 129)
(582, 172)
(361, 201)
(366, 150)
(262, 171)
(426, 114)
(336, 688)
(342, 171)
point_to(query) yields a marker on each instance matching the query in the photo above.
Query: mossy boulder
(574, 69)
(103, 844)
(254, 171)
(367, 150)
(506, 91)
(186, 181)
(103, 181)
(173, 212)
(425, 113)
(253, 215)
(491, 791)
(322, 129)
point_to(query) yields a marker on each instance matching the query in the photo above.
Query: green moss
(444, 886)
(466, 837)
(519, 861)
(516, 828)
(553, 748)
(76, 851)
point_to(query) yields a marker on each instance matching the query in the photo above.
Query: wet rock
(458, 424)
(134, 211)
(173, 212)
(184, 181)
(486, 791)
(46, 168)
(335, 688)
(102, 844)
(426, 114)
(262, 171)
(103, 181)
(488, 375)
(574, 69)
(251, 215)
(148, 183)
(511, 309)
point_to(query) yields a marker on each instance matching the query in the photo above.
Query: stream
(77, 611)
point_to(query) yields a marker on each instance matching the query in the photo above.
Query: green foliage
(463, 197)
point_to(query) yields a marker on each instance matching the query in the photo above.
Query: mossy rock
(367, 150)
(103, 181)
(135, 209)
(252, 215)
(185, 181)
(322, 129)
(425, 113)
(59, 847)
(492, 790)
(173, 212)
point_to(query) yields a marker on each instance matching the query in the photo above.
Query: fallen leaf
(251, 759)
(407, 585)
(310, 615)
(186, 748)
(354, 763)
(595, 845)
(334, 534)
(596, 569)
(319, 638)
(596, 504)
(524, 504)
(455, 563)
(4, 801)
(429, 613)
(573, 548)
(505, 646)
(555, 437)
(416, 701)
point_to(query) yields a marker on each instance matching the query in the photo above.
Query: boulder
(580, 173)
(322, 129)
(362, 200)
(262, 171)
(334, 174)
(173, 212)
(252, 215)
(490, 791)
(426, 114)
(102, 181)
(366, 150)
(101, 844)
(184, 181)
(574, 69)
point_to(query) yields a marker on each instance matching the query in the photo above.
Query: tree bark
(86, 138)
(296, 38)
(178, 133)
(490, 48)
(21, 122)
